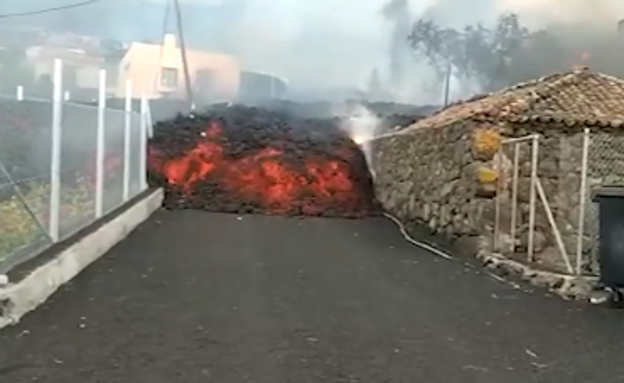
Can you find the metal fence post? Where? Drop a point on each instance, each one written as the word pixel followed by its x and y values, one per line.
pixel 150 122
pixel 533 196
pixel 514 195
pixel 497 212
pixel 99 173
pixel 127 147
pixel 582 202
pixel 143 146
pixel 55 168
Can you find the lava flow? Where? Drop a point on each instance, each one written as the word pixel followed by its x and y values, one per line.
pixel 218 165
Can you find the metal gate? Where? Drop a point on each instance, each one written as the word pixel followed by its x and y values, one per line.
pixel 519 188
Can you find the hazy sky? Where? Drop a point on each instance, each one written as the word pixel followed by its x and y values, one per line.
pixel 339 42
pixel 310 42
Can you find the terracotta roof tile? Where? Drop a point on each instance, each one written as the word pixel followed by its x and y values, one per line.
pixel 574 97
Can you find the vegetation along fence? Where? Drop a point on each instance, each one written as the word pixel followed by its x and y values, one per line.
pixel 64 165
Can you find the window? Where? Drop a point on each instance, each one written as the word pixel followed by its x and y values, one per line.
pixel 169 77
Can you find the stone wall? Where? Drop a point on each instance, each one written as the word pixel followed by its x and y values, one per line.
pixel 451 178
pixel 430 176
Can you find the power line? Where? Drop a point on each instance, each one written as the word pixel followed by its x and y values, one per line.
pixel 187 80
pixel 162 39
pixel 48 10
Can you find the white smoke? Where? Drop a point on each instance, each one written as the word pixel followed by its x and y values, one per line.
pixel 362 126
pixel 312 43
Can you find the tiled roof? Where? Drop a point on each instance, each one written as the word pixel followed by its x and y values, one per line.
pixel 574 97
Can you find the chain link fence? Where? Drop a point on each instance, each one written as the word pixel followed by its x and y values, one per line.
pixel 556 217
pixel 538 214
pixel 63 166
pixel 512 196
pixel 605 167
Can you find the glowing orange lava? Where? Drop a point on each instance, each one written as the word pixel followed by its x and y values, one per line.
pixel 265 177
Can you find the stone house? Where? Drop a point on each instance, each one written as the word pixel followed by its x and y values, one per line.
pixel 449 171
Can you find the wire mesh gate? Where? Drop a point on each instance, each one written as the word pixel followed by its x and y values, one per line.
pixel 519 192
pixel 585 161
pixel 603 165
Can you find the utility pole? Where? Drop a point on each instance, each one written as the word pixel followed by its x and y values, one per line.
pixel 447 84
pixel 187 78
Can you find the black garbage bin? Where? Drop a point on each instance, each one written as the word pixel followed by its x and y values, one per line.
pixel 611 233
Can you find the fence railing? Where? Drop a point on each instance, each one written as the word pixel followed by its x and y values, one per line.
pixel 603 165
pixel 550 194
pixel 65 165
pixel 520 193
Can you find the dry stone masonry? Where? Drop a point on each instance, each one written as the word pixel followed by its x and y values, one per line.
pixel 451 170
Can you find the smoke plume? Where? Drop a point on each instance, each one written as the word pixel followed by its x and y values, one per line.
pixel 335 44
pixel 398 13
pixel 562 34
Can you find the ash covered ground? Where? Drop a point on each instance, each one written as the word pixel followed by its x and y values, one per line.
pixel 244 160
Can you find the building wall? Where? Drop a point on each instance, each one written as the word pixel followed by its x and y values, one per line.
pixel 258 86
pixel 605 167
pixel 88 76
pixel 446 178
pixel 225 75
pixel 140 65
pixel 428 177
pixel 80 71
pixel 451 178
pixel 143 65
pixel 77 75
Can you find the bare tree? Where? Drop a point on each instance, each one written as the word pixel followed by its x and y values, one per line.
pixel 507 53
pixel 487 57
pixel 437 46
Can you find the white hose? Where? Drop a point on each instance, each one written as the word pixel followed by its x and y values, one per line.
pixel 411 240
pixel 441 253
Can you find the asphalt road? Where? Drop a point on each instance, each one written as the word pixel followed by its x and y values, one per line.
pixel 198 297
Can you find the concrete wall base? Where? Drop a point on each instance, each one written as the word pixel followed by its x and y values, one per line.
pixel 566 286
pixel 18 299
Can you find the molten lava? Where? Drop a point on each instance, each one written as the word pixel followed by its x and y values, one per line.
pixel 273 179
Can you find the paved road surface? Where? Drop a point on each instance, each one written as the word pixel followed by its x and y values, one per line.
pixel 198 297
